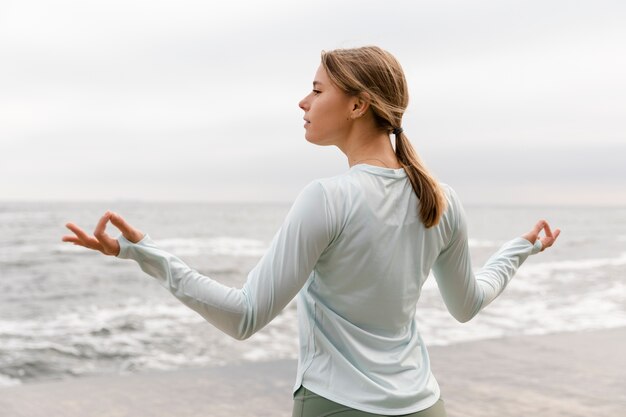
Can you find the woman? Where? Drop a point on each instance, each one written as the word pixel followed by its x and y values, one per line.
pixel 355 248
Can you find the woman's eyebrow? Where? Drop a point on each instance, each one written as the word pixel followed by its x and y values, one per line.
pixel 317 83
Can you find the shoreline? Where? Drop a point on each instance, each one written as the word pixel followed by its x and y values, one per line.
pixel 563 374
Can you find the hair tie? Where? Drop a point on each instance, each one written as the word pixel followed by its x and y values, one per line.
pixel 397 130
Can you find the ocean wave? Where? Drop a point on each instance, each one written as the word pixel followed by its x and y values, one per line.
pixel 573 264
pixel 134 336
pixel 32 252
pixel 92 318
pixel 544 297
pixel 7 381
pixel 532 315
pixel 230 246
pixel 547 268
pixel 92 339
pixel 224 245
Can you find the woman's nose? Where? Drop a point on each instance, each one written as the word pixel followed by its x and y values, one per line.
pixel 303 104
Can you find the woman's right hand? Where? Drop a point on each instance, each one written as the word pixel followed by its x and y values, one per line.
pixel 100 240
pixel 547 240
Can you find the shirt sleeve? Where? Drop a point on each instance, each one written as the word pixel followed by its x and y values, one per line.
pixel 270 285
pixel 464 292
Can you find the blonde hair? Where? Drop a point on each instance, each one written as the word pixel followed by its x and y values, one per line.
pixel 377 75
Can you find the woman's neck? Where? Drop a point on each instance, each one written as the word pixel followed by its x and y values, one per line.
pixel 375 150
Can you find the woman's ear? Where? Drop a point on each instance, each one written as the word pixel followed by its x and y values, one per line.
pixel 360 105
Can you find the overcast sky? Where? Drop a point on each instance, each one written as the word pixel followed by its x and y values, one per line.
pixel 512 102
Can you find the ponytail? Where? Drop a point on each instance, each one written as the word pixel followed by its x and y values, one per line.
pixel 432 202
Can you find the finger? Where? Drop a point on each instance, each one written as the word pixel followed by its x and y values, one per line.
pixel 80 233
pixel 71 239
pixel 100 229
pixel 547 230
pixel 129 232
pixel 86 240
pixel 539 226
pixel 74 240
pixel 92 243
pixel 121 224
pixel 110 246
pixel 551 239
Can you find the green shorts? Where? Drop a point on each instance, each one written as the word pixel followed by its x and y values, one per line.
pixel 309 404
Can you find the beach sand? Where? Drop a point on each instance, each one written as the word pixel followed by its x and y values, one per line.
pixel 566 374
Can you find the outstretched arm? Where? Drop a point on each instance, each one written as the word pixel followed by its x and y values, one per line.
pixel 466 293
pixel 269 287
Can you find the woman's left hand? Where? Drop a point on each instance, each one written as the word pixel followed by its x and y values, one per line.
pixel 100 240
pixel 546 241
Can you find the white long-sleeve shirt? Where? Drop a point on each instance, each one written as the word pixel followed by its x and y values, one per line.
pixel 354 251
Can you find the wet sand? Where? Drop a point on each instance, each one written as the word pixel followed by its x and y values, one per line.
pixel 567 374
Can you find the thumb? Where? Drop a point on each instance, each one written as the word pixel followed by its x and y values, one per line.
pixel 129 232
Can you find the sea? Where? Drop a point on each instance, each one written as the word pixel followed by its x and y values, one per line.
pixel 67 312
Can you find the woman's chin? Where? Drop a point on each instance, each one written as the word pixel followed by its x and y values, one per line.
pixel 310 138
pixel 315 140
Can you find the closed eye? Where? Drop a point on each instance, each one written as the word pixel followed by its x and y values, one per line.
pixel 316 92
